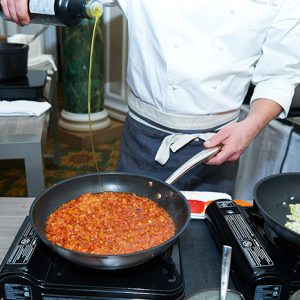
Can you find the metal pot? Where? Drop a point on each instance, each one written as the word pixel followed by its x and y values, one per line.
pixel 13 60
pixel 272 196
pixel 167 196
pixel 214 294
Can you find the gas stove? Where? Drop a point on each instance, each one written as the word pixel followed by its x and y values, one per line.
pixel 263 265
pixel 32 271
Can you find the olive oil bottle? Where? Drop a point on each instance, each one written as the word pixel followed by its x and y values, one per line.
pixel 62 12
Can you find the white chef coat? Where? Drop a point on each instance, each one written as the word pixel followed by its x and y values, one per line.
pixel 197 57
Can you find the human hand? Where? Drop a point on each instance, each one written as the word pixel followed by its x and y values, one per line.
pixel 16 11
pixel 233 139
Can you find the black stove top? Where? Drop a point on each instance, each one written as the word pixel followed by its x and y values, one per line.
pixel 24 88
pixel 263 265
pixel 31 270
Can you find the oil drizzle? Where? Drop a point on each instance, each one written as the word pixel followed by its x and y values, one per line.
pixel 97 13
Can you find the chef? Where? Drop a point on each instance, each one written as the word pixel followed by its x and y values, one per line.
pixel 190 63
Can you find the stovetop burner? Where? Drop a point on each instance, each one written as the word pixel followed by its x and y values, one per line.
pixel 285 254
pixel 31 270
pixel 263 265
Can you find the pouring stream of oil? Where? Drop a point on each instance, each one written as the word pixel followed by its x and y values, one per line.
pixel 97 12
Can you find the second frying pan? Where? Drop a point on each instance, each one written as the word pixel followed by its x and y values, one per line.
pixel 273 195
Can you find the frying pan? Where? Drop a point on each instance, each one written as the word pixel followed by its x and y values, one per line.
pixel 273 195
pixel 159 191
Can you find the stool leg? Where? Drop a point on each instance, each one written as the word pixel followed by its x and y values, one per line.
pixel 34 167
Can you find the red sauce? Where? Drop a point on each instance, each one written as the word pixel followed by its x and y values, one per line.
pixel 109 223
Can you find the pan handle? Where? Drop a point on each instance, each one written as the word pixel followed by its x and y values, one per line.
pixel 192 162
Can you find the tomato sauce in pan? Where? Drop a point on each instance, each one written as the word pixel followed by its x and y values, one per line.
pixel 109 223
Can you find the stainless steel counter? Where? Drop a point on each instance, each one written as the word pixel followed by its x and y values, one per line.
pixel 12 214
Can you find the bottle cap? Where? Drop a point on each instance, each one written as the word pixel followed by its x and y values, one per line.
pixel 93 9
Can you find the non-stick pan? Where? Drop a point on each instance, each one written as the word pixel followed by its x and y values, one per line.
pixel 273 195
pixel 161 192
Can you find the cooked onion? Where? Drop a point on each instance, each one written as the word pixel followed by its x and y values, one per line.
pixel 294 218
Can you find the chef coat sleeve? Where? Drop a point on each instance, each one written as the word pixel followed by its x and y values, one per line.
pixel 277 72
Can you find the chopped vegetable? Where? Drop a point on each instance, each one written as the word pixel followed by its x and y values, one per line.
pixel 197 206
pixel 294 218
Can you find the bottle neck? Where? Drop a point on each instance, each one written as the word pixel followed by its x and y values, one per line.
pixel 93 9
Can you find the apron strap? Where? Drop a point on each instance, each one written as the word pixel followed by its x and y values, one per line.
pixel 178 123
pixel 202 126
pixel 176 141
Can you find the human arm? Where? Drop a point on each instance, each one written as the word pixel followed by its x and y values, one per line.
pixel 235 137
pixel 17 10
pixel 276 74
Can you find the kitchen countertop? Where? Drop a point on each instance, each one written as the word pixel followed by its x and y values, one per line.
pixel 200 257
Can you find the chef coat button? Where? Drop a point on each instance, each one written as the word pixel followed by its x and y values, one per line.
pixel 232 11
pixel 176 45
pixel 214 87
pixel 175 87
pixel 221 48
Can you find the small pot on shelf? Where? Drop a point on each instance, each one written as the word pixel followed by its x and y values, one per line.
pixel 13 60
